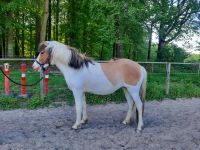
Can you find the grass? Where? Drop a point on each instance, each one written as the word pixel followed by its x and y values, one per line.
pixel 186 85
pixel 181 85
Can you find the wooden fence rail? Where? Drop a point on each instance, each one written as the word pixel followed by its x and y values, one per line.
pixel 167 70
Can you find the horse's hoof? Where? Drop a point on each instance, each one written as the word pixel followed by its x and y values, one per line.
pixel 125 122
pixel 138 131
pixel 84 121
pixel 75 127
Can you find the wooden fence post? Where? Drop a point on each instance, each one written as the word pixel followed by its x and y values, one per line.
pixel 41 86
pixel 168 68
pixel 152 67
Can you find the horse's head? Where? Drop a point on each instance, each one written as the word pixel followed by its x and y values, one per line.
pixel 53 52
pixel 43 60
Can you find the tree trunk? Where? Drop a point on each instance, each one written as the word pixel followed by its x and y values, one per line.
pixel 49 22
pixel 9 39
pixel 3 45
pixel 46 35
pixel 17 42
pixel 118 47
pixel 66 36
pixel 71 16
pixel 10 44
pixel 161 45
pixel 161 42
pixel 114 50
pixel 23 38
pixel 149 43
pixel 22 54
pixel 84 36
pixel 119 50
pixel 129 54
pixel 31 40
pixel 101 52
pixel 38 28
pixel 44 21
pixel 57 18
pixel 1 48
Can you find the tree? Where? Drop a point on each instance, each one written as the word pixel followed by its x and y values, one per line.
pixel 173 16
pixel 49 22
pixel 193 58
pixel 6 28
pixel 101 28
pixel 173 53
pixel 44 19
pixel 152 19
pixel 9 22
pixel 129 33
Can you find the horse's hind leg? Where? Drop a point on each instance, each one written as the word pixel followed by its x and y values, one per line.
pixel 135 95
pixel 130 106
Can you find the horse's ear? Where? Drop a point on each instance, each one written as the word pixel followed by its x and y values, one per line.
pixel 42 46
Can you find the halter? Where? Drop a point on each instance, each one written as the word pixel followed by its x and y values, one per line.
pixel 44 65
pixel 47 61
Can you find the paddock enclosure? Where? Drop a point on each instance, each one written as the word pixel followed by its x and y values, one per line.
pixel 167 125
pixel 164 80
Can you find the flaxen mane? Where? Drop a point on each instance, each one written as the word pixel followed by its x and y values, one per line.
pixel 78 60
pixel 41 46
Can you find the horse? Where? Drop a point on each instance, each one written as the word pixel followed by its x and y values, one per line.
pixel 82 75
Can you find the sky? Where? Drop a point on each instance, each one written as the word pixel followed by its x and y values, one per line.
pixel 190 42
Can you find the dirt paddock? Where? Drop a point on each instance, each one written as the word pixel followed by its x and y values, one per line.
pixel 168 125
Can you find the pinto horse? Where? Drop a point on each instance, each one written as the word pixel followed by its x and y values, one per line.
pixel 84 75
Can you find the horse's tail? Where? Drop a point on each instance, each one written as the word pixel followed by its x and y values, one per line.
pixel 143 88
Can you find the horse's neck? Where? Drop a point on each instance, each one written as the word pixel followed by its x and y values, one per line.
pixel 70 72
pixel 65 69
pixel 61 57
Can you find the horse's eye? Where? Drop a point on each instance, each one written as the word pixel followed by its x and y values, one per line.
pixel 42 52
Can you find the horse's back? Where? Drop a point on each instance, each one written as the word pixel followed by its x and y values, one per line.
pixel 122 70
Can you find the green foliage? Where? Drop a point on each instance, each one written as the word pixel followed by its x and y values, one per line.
pixel 93 26
pixel 156 87
pixel 191 85
pixel 88 25
pixel 8 103
pixel 170 19
pixel 172 53
pixel 193 58
pixel 34 102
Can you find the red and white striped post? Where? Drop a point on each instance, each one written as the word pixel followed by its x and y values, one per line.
pixel 7 81
pixel 46 82
pixel 23 79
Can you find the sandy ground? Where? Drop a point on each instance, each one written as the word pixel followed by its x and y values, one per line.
pixel 168 125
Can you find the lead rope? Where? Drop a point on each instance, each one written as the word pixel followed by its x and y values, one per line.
pixel 33 84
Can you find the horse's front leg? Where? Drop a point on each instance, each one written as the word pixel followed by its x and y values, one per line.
pixel 85 116
pixel 78 96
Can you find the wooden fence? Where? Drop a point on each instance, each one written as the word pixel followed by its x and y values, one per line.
pixel 166 69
